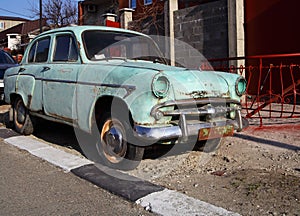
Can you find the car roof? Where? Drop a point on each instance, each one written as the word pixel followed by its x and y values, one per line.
pixel 79 29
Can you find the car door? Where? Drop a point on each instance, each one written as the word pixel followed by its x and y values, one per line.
pixel 30 73
pixel 60 78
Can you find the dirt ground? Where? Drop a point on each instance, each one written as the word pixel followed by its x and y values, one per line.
pixel 256 172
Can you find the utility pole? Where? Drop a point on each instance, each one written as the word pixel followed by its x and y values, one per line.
pixel 173 6
pixel 41 16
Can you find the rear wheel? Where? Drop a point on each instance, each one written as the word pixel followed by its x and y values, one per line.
pixel 113 147
pixel 21 118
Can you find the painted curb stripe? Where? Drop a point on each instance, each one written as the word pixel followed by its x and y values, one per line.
pixel 124 185
pixel 170 203
pixel 54 156
pixel 152 197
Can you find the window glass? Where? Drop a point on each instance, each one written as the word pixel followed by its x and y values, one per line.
pixel 32 53
pixel 2 25
pixel 65 49
pixel 148 2
pixel 105 45
pixel 42 50
pixel 133 4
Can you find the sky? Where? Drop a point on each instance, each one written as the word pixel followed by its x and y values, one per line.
pixel 19 8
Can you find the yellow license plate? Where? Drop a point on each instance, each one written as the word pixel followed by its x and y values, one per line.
pixel 215 132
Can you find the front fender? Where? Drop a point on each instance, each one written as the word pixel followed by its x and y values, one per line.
pixel 16 85
pixel 24 87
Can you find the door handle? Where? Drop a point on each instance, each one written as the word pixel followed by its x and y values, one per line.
pixel 21 70
pixel 45 69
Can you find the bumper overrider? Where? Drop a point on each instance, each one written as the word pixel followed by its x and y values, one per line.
pixel 185 128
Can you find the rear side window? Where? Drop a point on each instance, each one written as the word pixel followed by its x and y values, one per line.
pixel 65 49
pixel 39 51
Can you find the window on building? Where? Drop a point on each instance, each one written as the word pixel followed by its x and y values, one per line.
pixel 132 3
pixel 2 25
pixel 65 49
pixel 147 2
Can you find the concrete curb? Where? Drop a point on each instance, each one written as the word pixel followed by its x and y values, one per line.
pixel 152 197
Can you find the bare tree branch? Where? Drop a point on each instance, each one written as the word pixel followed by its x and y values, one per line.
pixel 148 17
pixel 58 13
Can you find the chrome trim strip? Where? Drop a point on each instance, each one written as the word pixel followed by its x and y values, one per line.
pixel 199 111
pixel 185 129
pixel 195 102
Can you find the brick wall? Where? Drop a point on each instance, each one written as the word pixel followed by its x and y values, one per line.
pixel 94 17
pixel 204 28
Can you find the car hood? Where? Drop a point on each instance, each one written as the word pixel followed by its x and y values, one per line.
pixel 147 65
pixel 197 84
pixel 185 83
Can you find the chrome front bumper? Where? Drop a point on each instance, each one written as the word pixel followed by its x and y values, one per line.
pixel 186 129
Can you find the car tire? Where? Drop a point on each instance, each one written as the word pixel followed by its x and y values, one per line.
pixel 21 119
pixel 113 147
pixel 208 146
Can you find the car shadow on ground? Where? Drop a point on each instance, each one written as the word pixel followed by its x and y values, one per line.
pixel 65 136
pixel 268 142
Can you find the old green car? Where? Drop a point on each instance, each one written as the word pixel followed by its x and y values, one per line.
pixel 114 85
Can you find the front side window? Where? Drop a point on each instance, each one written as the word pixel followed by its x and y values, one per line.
pixel 65 49
pixel 147 2
pixel 105 45
pixel 39 51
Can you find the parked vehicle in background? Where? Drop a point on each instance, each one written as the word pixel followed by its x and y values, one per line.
pixel 6 61
pixel 115 85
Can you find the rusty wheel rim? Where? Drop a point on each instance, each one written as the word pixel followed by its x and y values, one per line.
pixel 113 140
pixel 20 114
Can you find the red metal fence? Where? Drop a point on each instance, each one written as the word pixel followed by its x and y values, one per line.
pixel 273 88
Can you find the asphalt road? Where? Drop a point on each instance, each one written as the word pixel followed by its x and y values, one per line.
pixel 31 186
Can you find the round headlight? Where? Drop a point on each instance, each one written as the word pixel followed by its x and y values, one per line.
pixel 240 86
pixel 160 86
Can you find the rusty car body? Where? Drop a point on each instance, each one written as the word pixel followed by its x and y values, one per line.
pixel 115 85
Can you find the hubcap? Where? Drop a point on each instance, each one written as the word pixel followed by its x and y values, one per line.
pixel 21 113
pixel 112 139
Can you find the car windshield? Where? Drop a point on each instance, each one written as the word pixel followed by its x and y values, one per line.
pixel 106 45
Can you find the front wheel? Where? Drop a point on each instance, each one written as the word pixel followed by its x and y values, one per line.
pixel 21 118
pixel 113 147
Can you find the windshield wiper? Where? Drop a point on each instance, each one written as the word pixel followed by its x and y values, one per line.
pixel 159 60
pixel 112 58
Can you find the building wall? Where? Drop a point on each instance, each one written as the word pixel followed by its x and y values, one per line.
pixel 272 26
pixel 91 12
pixel 205 29
pixel 8 24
